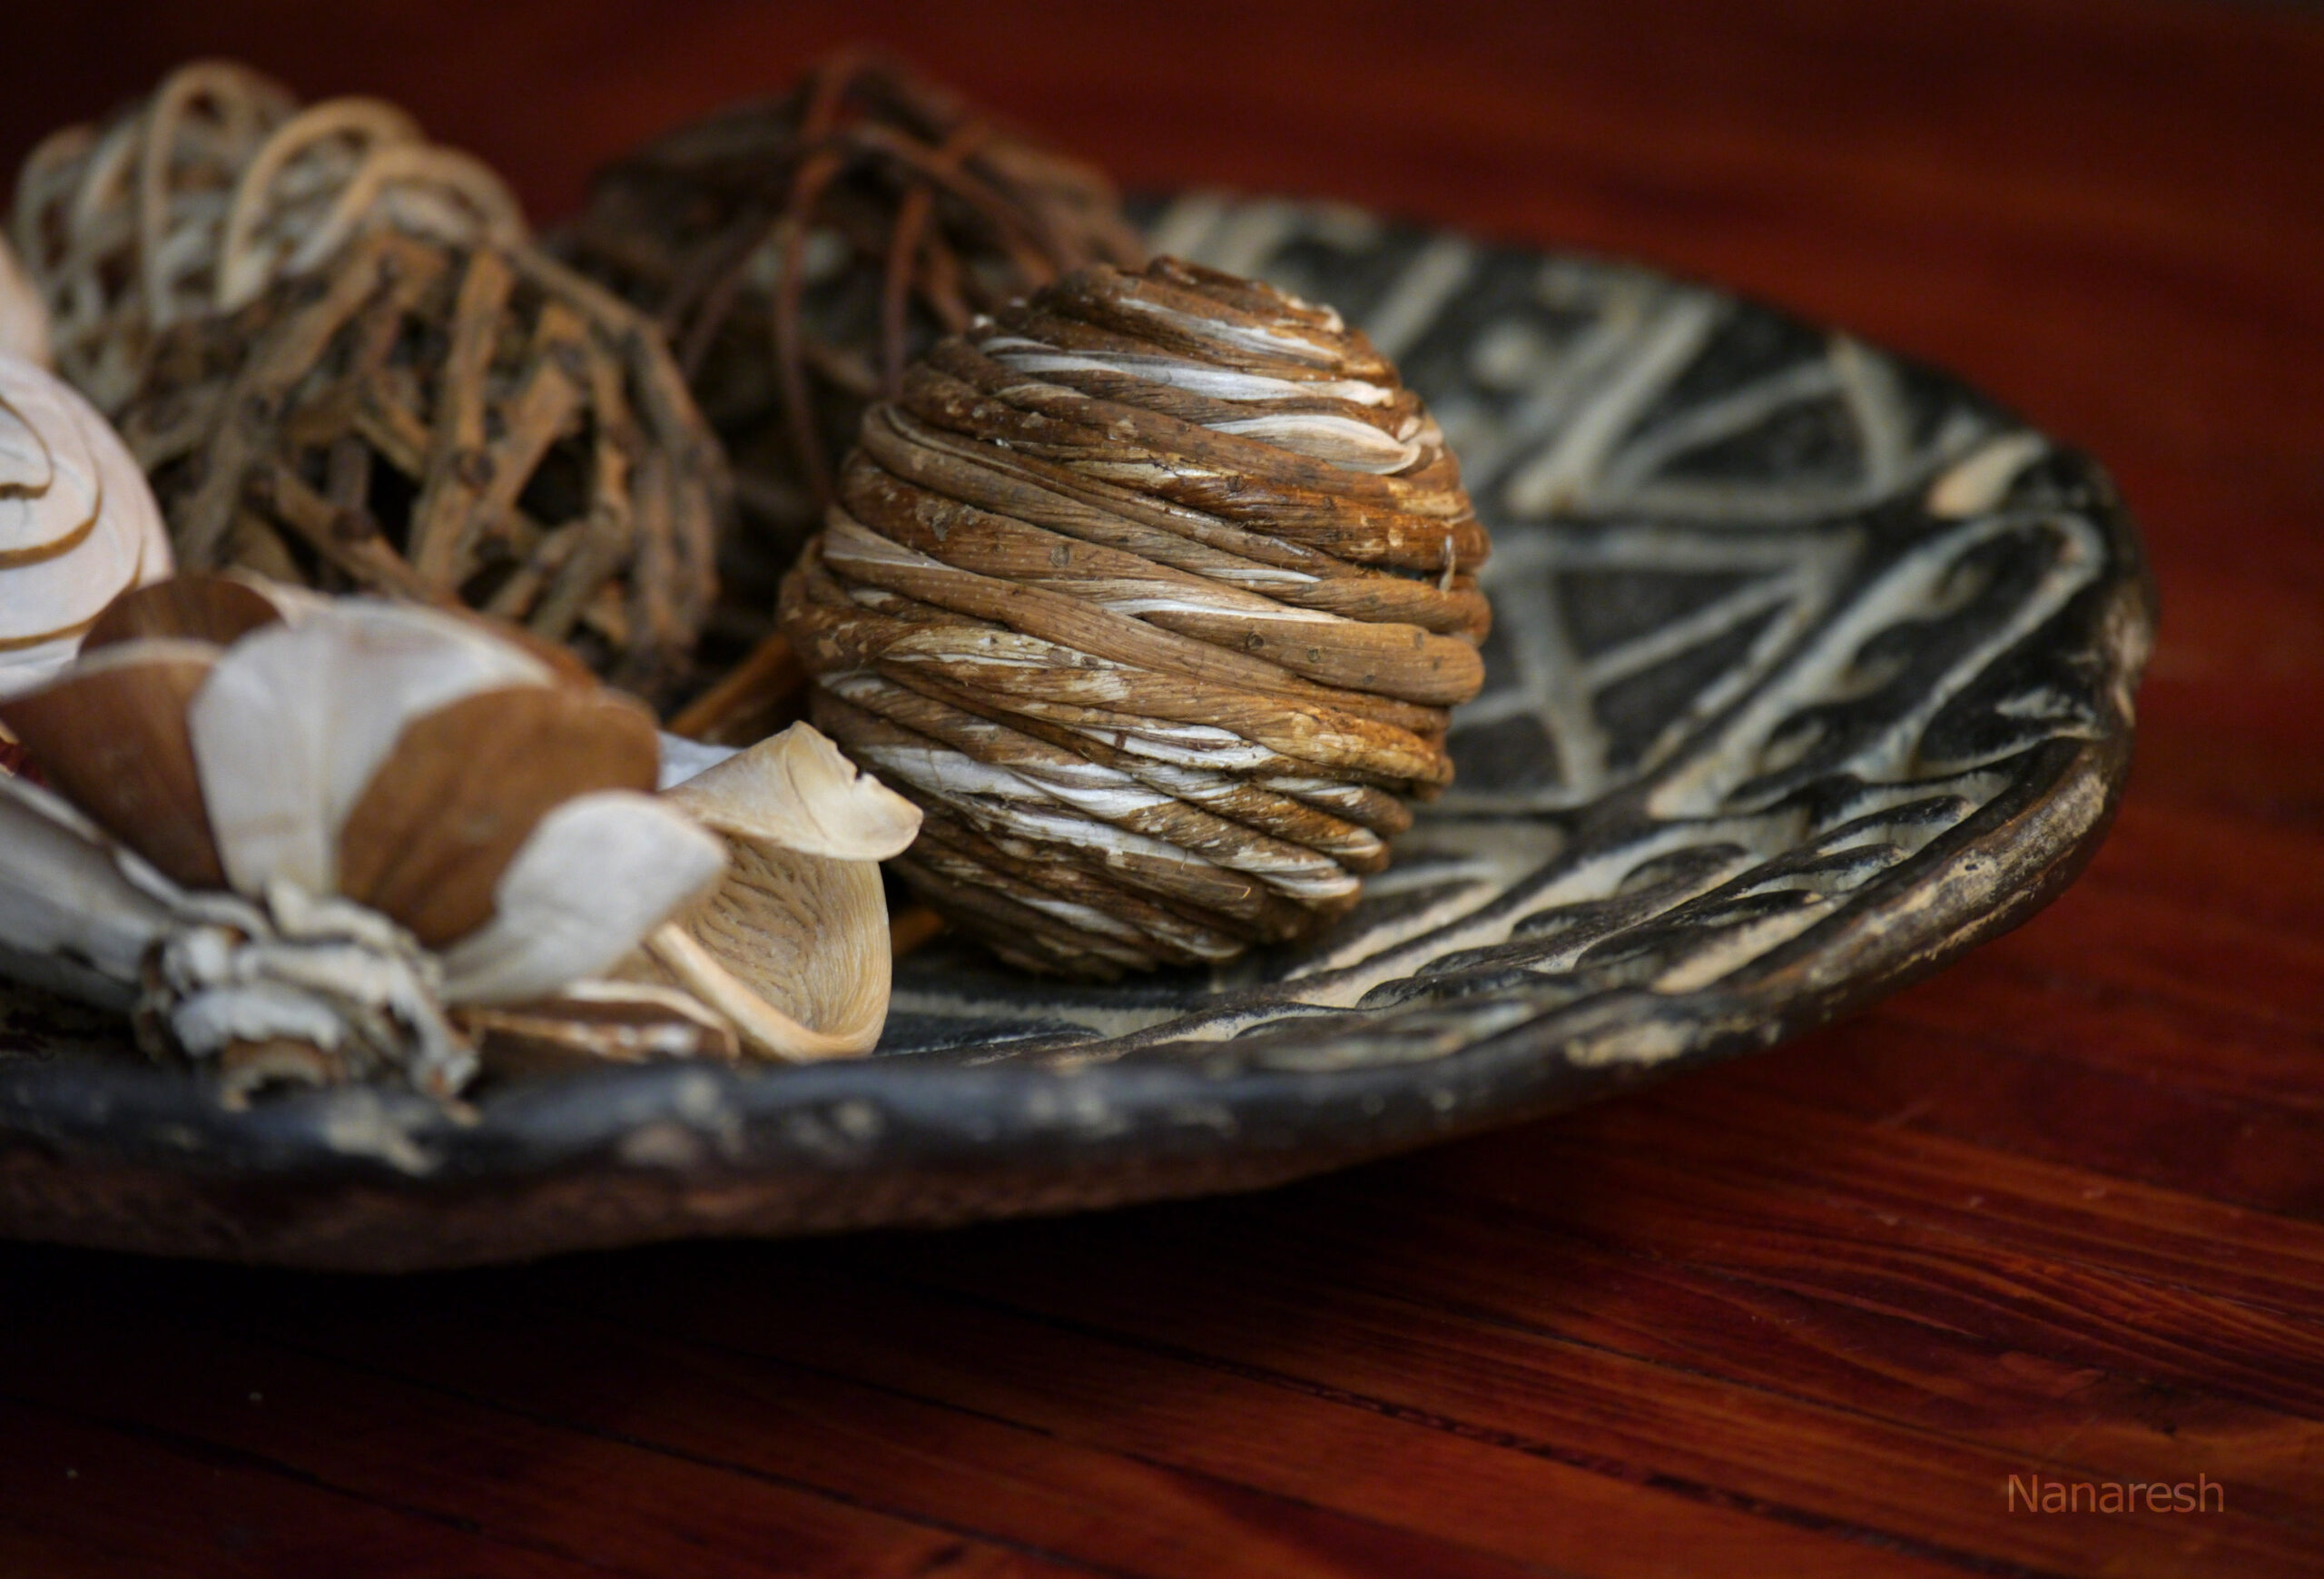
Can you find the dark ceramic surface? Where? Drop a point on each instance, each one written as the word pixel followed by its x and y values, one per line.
pixel 1811 669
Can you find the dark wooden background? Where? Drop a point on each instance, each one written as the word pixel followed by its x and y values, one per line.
pixel 2059 1211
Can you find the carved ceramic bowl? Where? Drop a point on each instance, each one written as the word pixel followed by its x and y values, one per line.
pixel 1811 668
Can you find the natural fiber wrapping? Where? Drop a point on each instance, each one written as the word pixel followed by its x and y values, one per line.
pixel 1153 592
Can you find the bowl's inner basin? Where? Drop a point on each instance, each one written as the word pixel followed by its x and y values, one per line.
pixel 1761 596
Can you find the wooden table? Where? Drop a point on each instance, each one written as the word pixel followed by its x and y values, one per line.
pixel 2059 1213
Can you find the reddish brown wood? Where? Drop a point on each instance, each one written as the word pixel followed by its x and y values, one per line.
pixel 2059 1211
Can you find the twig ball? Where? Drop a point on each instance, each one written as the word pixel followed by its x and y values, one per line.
pixel 799 251
pixel 447 423
pixel 196 198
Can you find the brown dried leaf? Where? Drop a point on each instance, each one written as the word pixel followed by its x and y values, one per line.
pixel 110 733
pixel 466 784
pixel 195 606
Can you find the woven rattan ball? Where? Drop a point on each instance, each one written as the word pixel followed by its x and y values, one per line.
pixel 801 251
pixel 447 423
pixel 1154 592
pixel 195 200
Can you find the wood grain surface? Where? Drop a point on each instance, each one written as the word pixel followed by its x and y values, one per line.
pixel 2059 1212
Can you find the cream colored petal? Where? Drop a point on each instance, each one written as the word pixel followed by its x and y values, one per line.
pixel 296 719
pixel 23 319
pixel 794 944
pixel 62 595
pixel 73 590
pixel 69 921
pixel 600 873
pixel 796 791
pixel 464 789
pixel 78 524
pixel 37 518
pixel 22 668
pixel 25 465
pixel 124 496
pixel 683 759
pixel 766 1030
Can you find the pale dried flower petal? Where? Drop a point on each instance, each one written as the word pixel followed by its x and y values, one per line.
pixel 78 524
pixel 69 921
pixel 600 872
pixel 295 720
pixel 24 316
pixel 797 792
pixel 794 944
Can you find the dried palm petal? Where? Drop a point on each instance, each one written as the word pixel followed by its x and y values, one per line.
pixel 797 793
pixel 598 873
pixel 24 316
pixel 794 946
pixel 766 1030
pixel 321 973
pixel 70 921
pixel 283 757
pixel 111 734
pixel 465 787
pixel 214 977
pixel 77 523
